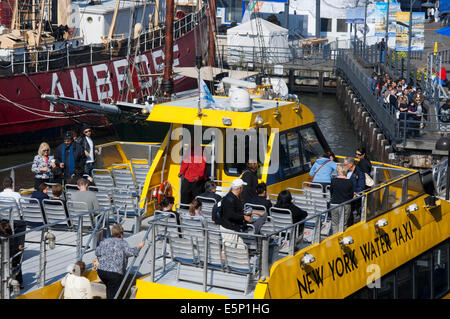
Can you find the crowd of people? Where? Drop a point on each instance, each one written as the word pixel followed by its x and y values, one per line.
pixel 344 181
pixel 71 163
pixel 74 157
pixel 405 99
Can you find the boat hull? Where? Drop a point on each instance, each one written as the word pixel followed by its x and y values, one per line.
pixel 24 114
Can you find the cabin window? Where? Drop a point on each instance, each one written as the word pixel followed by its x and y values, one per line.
pixel 422 277
pixel 440 270
pixel 404 282
pixel 239 151
pixel 312 148
pixel 89 19
pixel 386 290
pixel 297 149
pixel 289 158
pixel 290 151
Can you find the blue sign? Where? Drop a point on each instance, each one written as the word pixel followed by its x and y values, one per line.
pixel 355 15
pixel 279 1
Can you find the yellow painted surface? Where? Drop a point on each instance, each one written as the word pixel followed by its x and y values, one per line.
pixel 287 118
pixel 151 290
pixel 54 290
pixel 337 272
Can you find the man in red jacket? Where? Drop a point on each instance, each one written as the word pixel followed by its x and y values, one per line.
pixel 193 169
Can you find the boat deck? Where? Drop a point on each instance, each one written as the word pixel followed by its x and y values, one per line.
pixel 64 254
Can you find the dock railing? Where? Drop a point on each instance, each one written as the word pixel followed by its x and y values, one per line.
pixel 397 127
pixel 251 56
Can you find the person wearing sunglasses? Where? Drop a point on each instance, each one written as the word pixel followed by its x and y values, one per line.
pixel 42 166
pixel 90 151
pixel 364 163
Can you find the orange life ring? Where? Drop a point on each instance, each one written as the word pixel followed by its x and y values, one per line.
pixel 164 190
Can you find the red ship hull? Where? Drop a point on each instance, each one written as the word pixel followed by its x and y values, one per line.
pixel 24 112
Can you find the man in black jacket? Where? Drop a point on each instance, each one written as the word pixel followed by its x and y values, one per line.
pixel 261 197
pixel 250 177
pixel 69 155
pixel 210 191
pixel 89 149
pixel 393 99
pixel 359 184
pixel 233 217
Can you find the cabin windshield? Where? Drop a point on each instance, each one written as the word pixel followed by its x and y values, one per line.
pixel 299 148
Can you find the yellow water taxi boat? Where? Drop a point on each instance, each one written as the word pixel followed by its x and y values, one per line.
pixel 398 249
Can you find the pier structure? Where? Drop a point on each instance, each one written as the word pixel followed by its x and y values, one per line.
pixel 304 69
pixel 328 69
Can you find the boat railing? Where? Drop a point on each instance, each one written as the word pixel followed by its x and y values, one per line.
pixel 109 153
pixel 439 174
pixel 51 245
pixel 264 244
pixel 69 56
pixel 142 255
pixel 21 174
pixel 122 152
pixel 391 195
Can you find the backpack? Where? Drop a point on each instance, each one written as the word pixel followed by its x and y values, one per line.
pixel 216 214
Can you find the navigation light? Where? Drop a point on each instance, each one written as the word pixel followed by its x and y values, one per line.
pixel 380 223
pixel 347 240
pixel 307 259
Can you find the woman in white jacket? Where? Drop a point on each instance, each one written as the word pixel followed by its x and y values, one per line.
pixel 76 286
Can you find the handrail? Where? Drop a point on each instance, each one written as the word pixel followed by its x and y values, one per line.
pixel 99 222
pixel 135 258
pixel 45 227
pixel 54 223
pixel 15 166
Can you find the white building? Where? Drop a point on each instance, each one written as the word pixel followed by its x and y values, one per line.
pixel 92 21
pixel 302 18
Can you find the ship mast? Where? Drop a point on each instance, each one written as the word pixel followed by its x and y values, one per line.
pixel 41 13
pixel 113 23
pixel 212 29
pixel 167 82
pixel 15 17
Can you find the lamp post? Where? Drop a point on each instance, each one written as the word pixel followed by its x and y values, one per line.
pixel 408 65
pixel 443 144
pixel 387 33
pixel 365 29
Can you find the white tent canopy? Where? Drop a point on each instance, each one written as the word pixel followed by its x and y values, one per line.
pixel 257 39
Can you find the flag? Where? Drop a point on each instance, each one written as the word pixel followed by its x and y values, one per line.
pixel 253 6
pixel 205 94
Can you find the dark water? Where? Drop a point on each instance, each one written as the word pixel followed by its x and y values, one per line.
pixel 331 119
pixel 333 123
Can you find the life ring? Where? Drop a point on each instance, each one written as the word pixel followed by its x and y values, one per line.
pixel 164 190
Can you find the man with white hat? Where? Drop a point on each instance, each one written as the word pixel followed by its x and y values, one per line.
pixel 233 217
